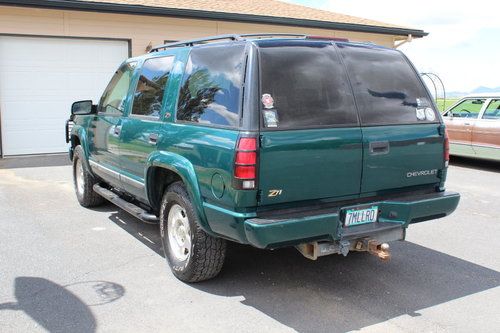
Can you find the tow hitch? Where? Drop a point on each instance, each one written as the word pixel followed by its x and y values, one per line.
pixel 313 250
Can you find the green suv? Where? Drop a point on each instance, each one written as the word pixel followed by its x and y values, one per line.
pixel 322 144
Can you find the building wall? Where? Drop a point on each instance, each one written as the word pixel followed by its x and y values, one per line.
pixel 143 30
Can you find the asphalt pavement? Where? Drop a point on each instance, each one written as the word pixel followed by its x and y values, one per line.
pixel 64 268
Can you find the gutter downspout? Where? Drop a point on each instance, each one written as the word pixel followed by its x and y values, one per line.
pixel 408 39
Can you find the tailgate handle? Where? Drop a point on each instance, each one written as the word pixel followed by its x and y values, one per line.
pixel 379 147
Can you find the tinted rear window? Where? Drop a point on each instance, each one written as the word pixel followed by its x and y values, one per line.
pixel 386 88
pixel 305 86
pixel 211 88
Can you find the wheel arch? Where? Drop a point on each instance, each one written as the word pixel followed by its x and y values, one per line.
pixel 164 168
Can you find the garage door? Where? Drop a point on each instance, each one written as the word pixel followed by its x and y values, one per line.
pixel 40 78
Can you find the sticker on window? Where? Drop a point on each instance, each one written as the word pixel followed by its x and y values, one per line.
pixel 270 118
pixel 268 101
pixel 420 113
pixel 429 114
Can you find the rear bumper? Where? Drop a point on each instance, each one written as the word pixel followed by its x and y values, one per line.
pixel 394 214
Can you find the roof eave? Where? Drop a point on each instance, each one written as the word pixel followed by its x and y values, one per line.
pixel 191 13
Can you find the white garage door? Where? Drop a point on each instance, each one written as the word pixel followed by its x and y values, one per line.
pixel 40 78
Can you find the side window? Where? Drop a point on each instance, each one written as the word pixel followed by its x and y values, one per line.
pixel 469 108
pixel 210 92
pixel 493 110
pixel 113 99
pixel 148 95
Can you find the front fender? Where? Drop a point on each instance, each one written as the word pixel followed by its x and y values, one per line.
pixel 185 169
pixel 79 131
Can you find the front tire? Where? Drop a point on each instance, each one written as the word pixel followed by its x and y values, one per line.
pixel 84 181
pixel 191 253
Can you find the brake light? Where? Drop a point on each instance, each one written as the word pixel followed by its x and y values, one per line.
pixel 245 164
pixel 446 148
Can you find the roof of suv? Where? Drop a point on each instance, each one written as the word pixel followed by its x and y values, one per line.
pixel 258 39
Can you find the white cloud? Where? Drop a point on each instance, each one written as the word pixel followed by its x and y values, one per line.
pixel 462 46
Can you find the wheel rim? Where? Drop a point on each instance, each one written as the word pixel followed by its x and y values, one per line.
pixel 179 233
pixel 80 180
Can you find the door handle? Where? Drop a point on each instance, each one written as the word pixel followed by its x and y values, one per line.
pixel 467 124
pixel 153 138
pixel 117 130
pixel 379 147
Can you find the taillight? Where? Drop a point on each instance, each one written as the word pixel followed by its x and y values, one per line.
pixel 245 164
pixel 446 148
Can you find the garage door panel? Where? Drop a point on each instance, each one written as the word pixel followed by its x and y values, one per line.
pixel 40 78
pixel 23 141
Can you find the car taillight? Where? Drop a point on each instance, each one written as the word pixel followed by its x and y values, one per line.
pixel 446 148
pixel 245 164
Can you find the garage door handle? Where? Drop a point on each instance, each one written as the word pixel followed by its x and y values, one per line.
pixel 379 147
pixel 117 130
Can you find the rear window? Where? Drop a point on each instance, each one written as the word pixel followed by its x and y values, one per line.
pixel 303 85
pixel 211 88
pixel 387 89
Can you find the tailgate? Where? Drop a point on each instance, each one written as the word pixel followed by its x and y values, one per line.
pixel 309 164
pixel 403 138
pixel 310 135
pixel 401 156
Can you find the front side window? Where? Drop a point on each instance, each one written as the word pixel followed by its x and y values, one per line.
pixel 113 99
pixel 387 89
pixel 304 85
pixel 469 108
pixel 148 97
pixel 493 110
pixel 211 88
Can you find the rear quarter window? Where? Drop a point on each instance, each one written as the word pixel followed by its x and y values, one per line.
pixel 210 92
pixel 386 87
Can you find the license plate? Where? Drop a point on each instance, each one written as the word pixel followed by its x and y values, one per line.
pixel 360 216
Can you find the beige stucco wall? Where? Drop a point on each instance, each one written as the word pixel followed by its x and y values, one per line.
pixel 142 30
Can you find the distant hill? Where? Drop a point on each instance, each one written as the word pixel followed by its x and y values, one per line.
pixel 478 90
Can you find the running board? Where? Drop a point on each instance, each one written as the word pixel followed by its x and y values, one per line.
pixel 129 207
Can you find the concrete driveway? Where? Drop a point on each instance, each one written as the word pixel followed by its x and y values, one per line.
pixel 64 268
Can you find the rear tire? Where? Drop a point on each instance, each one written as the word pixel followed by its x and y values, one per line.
pixel 192 254
pixel 84 181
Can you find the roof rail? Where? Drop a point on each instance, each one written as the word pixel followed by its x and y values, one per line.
pixel 273 34
pixel 232 37
pixel 191 42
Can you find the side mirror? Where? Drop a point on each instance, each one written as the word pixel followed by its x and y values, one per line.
pixel 83 107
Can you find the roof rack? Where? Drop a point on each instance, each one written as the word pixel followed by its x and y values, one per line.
pixel 232 37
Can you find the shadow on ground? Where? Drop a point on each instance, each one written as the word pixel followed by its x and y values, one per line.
pixel 333 293
pixel 56 308
pixel 472 163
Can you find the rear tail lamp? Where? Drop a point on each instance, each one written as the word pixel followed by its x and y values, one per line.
pixel 446 148
pixel 245 164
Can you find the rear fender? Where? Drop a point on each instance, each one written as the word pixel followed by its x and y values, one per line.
pixel 185 169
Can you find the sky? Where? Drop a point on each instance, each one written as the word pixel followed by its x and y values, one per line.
pixel 463 45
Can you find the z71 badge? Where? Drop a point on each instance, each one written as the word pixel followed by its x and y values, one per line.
pixel 274 193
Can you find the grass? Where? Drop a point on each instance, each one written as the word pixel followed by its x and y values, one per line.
pixel 449 102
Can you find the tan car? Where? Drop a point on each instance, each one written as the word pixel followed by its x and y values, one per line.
pixel 474 126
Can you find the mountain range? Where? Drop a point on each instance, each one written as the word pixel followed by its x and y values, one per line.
pixel 478 90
